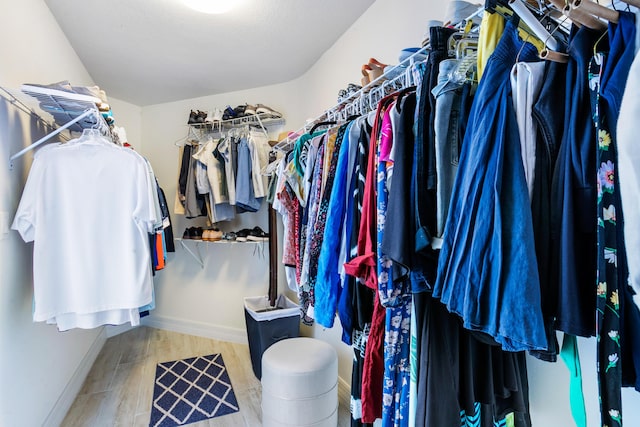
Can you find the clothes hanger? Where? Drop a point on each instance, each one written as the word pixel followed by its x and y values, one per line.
pixel 635 3
pixel 592 8
pixel 552 55
pixel 595 45
pixel 325 123
pixel 401 94
pixel 534 25
pixel 578 16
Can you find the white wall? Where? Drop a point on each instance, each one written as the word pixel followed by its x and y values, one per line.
pixel 128 116
pixel 37 363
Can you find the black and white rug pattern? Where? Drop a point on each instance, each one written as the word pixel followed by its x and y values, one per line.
pixel 191 390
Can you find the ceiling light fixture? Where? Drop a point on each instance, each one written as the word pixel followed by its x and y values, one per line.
pixel 211 6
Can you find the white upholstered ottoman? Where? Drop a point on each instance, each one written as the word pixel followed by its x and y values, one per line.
pixel 300 384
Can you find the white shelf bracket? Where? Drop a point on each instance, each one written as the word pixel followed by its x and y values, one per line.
pixel 198 256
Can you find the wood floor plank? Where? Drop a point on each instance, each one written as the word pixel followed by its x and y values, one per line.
pixel 147 383
pixel 136 344
pixel 101 373
pixel 237 360
pixel 84 411
pixel 249 402
pixel 142 419
pixel 121 406
pixel 230 420
pixel 119 388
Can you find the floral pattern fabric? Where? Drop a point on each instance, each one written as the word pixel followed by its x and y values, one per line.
pixel 397 300
pixel 608 303
pixel 305 292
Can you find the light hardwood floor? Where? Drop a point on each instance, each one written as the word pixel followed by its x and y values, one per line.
pixel 119 388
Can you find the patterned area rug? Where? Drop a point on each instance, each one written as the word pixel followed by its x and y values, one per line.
pixel 191 390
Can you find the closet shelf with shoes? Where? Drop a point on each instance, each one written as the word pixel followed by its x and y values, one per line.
pixel 263 120
pixel 200 235
pixel 66 102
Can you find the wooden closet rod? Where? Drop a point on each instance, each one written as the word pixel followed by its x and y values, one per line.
pixel 597 10
pixel 635 3
pixel 579 16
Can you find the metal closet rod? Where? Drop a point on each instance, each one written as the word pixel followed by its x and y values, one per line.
pixel 350 99
pixel 353 97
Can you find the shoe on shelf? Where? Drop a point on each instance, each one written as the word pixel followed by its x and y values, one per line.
pixel 229 237
pixel 188 232
pixel 197 233
pixel 376 69
pixel 94 91
pixel 263 109
pixel 257 234
pixel 365 80
pixel 249 110
pixel 201 116
pixel 353 88
pixel 211 234
pixel 216 115
pixel 342 94
pixel 229 113
pixel 240 110
pixel 193 117
pixel 215 235
pixel 192 233
pixel 242 235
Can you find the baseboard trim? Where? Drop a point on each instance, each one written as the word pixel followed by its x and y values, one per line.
pixel 71 390
pixel 199 329
pixel 344 392
pixel 113 330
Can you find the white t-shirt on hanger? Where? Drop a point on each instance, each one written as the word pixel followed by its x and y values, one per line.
pixel 88 209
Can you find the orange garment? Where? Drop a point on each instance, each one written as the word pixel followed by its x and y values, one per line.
pixel 159 252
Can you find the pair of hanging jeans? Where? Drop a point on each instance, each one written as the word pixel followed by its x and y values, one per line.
pixel 487 271
pixel 449 94
pixel 423 179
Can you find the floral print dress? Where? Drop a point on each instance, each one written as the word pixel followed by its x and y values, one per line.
pixel 608 302
pixel 396 298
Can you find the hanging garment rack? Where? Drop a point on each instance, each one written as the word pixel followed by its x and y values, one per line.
pixel 62 105
pixel 50 135
pixel 367 97
pixel 71 111
pixel 198 131
pixel 12 99
pixel 364 99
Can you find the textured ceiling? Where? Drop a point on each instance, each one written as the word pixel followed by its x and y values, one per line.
pixel 154 51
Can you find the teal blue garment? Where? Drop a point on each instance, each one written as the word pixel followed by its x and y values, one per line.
pixel 300 152
pixel 476 418
pixel 571 358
